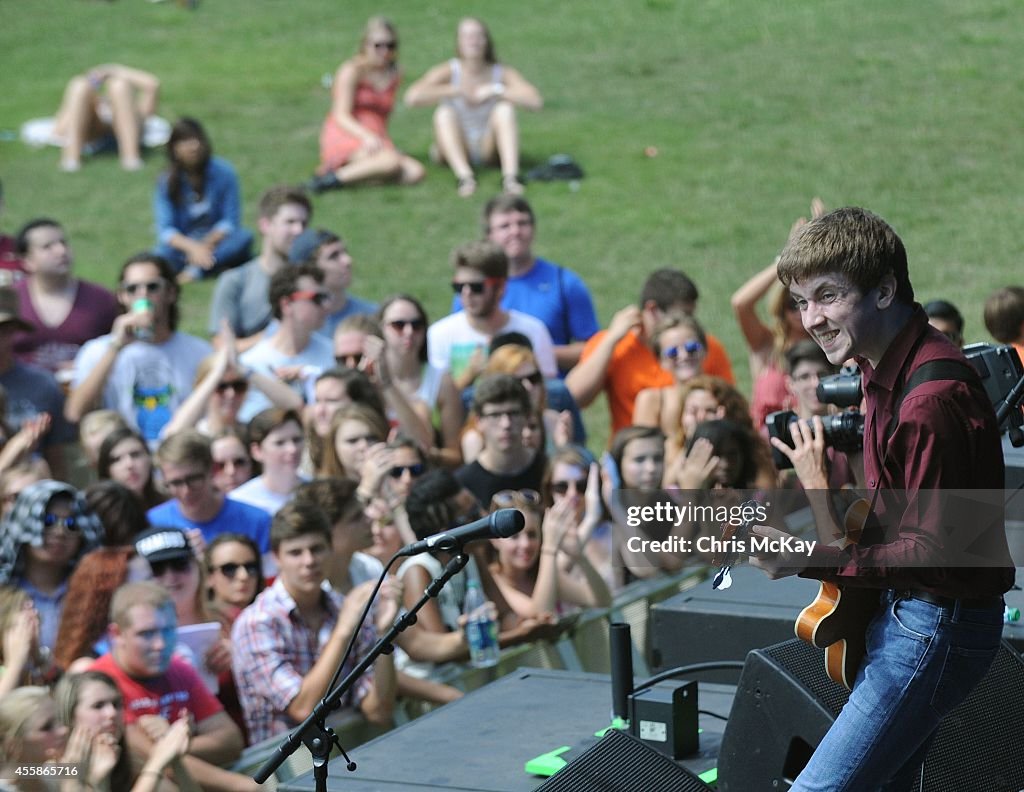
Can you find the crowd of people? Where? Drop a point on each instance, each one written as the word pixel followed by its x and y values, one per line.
pixel 192 527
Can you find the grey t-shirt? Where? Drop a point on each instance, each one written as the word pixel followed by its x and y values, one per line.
pixel 240 296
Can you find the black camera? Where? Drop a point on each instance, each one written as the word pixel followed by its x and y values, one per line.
pixel 842 389
pixel 843 431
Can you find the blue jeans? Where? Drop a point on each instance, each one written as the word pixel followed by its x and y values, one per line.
pixel 922 661
pixel 232 250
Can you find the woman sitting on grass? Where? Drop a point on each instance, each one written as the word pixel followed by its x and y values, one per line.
pixel 354 142
pixel 477 97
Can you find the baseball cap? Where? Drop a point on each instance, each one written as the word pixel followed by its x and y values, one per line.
pixel 163 544
pixel 305 244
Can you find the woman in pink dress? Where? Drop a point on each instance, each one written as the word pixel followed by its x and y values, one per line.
pixel 354 142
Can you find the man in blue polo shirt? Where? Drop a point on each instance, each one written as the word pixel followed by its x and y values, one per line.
pixel 555 295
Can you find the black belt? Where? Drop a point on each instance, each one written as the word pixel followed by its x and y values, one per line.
pixel 950 602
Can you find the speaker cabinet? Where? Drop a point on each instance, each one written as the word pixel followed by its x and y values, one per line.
pixel 785 703
pixel 621 763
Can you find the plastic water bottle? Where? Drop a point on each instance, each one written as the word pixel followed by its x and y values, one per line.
pixel 481 629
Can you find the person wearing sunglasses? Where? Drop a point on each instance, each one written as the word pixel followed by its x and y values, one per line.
pixel 145 367
pixel 554 294
pixel 477 98
pixel 458 342
pixel 175 568
pixel 573 475
pixel 295 353
pixel 359 344
pixel 428 388
pixel 328 251
pixel 234 577
pixel 531 567
pixel 354 142
pixel 221 386
pixel 46 532
pixel 186 465
pixel 621 360
pixel 681 346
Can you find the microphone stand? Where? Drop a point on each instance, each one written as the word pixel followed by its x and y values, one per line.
pixel 314 731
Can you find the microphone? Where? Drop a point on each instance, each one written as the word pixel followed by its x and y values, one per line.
pixel 504 522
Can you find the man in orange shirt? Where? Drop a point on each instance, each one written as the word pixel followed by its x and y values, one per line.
pixel 621 360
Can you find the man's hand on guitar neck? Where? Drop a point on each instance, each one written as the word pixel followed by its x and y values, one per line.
pixel 779 564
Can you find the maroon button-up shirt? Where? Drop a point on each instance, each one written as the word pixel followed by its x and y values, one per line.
pixel 931 533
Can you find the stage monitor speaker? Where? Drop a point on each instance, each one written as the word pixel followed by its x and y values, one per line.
pixel 785 703
pixel 621 763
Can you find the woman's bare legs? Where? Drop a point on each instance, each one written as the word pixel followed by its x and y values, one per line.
pixel 452 147
pixel 125 121
pixel 413 171
pixel 503 138
pixel 76 120
pixel 384 165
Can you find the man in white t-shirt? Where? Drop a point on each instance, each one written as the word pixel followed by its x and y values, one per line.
pixel 459 342
pixel 144 368
pixel 295 353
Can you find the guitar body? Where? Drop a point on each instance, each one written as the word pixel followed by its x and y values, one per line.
pixel 838 618
pixel 837 621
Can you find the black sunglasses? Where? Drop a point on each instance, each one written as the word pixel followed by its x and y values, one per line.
pixel 414 470
pixel 231 569
pixel 152 287
pixel 399 325
pixel 388 45
pixel 161 568
pixel 238 386
pixel 562 487
pixel 475 287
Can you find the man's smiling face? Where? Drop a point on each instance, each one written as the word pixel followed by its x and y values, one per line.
pixel 838 316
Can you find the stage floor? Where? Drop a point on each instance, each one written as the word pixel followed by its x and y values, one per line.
pixel 482 741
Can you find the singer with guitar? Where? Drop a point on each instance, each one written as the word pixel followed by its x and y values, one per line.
pixel 929 427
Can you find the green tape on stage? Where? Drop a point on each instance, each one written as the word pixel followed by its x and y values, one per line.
pixel 547 764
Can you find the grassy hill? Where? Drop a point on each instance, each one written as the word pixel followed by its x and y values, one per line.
pixel 910 109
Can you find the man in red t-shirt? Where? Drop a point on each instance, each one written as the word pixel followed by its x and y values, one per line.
pixel 157 686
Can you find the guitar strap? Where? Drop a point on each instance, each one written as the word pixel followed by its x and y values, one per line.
pixel 932 371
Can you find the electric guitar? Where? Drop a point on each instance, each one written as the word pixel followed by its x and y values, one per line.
pixel 838 618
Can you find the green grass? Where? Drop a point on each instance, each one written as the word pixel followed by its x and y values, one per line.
pixel 910 109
